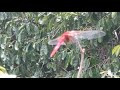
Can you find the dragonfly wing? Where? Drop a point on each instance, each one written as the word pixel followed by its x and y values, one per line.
pixel 90 34
pixel 55 42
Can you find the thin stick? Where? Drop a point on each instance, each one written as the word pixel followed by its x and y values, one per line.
pixel 81 63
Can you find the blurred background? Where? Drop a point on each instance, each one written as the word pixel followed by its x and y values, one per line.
pixel 25 52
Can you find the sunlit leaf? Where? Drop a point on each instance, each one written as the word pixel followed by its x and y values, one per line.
pixel 34 44
pixel 7 24
pixel 3 69
pixel 17 60
pixel 3 46
pixel 116 50
pixel 16 46
pixel 21 27
pixel 63 55
pixel 20 36
pixel 27 47
pixel 110 73
pixel 38 47
pixel 3 56
pixel 114 14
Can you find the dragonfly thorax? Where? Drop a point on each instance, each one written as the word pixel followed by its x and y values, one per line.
pixel 69 36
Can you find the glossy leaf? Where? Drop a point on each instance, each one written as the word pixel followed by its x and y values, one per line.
pixel 16 45
pixel 114 14
pixel 116 50
pixel 27 47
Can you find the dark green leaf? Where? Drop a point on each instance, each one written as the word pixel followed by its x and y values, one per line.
pixel 44 49
pixel 90 73
pixel 27 47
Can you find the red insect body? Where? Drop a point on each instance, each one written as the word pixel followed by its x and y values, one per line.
pixel 60 41
pixel 72 36
pixel 65 37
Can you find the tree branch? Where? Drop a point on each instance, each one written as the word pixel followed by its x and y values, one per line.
pixel 81 62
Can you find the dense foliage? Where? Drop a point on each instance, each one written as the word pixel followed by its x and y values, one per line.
pixel 24 48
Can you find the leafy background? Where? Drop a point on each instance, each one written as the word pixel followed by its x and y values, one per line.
pixel 24 48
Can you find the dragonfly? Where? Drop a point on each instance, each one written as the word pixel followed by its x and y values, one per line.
pixel 74 36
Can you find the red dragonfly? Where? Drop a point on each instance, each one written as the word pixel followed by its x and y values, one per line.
pixel 73 36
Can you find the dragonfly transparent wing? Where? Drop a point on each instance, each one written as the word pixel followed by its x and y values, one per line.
pixel 90 34
pixel 54 42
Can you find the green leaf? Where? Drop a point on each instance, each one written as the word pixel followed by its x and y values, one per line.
pixel 27 47
pixel 24 57
pixel 34 44
pixel 44 49
pixel 63 54
pixel 16 70
pixel 90 73
pixel 49 65
pixel 95 43
pixel 21 27
pixel 28 28
pixel 100 40
pixel 20 36
pixel 116 50
pixel 3 56
pixel 16 46
pixel 109 23
pixel 36 29
pixel 115 18
pixel 17 60
pixel 1 16
pixel 3 69
pixel 4 39
pixel 66 63
pixel 86 63
pixel 54 66
pixel 103 22
pixel 7 24
pixel 3 46
pixel 72 58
